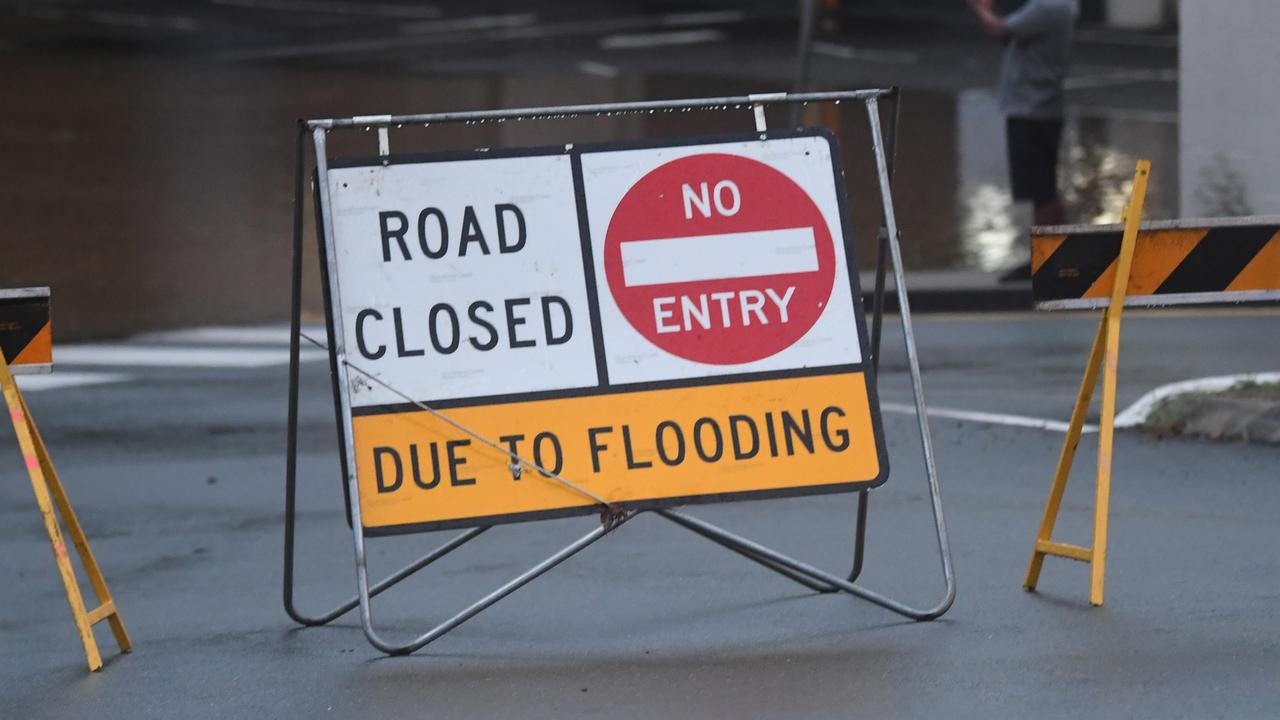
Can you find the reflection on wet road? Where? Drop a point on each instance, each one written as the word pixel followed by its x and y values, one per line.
pixel 151 188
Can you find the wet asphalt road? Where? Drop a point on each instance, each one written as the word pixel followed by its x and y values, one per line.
pixel 177 475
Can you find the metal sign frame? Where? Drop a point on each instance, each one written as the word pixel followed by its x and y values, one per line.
pixel 796 570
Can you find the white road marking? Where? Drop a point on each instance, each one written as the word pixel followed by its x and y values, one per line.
pixel 716 257
pixel 412 35
pixel 1136 414
pixel 988 418
pixel 465 24
pixel 58 381
pixel 598 69
pixel 116 19
pixel 339 7
pixel 710 17
pixel 844 52
pixel 651 40
pixel 1112 77
pixel 231 335
pixel 127 355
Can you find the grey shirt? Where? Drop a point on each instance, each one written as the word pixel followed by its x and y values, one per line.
pixel 1036 58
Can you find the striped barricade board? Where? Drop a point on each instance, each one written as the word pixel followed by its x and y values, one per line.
pixel 26 335
pixel 1178 262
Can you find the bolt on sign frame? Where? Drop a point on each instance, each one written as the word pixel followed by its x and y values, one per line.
pixel 25 336
pixel 611 516
pixel 1136 264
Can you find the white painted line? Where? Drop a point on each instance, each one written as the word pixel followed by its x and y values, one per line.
pixel 125 355
pixel 598 69
pixel 38 383
pixel 716 257
pixel 476 22
pixel 27 292
pixel 1136 414
pixel 231 335
pixel 651 40
pixel 988 418
pixel 1110 77
pixel 844 52
pixel 143 22
pixel 412 34
pixel 710 17
pixel 339 7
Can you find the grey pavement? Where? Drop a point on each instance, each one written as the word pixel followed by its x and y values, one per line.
pixel 177 476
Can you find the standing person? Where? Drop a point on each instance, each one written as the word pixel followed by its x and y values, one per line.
pixel 1037 40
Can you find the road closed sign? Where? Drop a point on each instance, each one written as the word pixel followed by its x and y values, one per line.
pixel 657 324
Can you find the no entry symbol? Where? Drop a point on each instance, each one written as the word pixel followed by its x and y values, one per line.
pixel 719 259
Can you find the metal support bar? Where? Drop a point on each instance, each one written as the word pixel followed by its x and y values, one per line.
pixel 877 323
pixel 705 528
pixel 804 52
pixel 754 557
pixel 475 608
pixel 559 112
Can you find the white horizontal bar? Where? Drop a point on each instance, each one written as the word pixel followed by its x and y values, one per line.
pixel 988 418
pixel 719 257
pixel 1226 297
pixel 166 356
pixel 28 292
pixel 230 335
pixel 662 39
pixel 37 383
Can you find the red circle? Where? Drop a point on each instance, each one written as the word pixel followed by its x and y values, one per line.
pixel 656 208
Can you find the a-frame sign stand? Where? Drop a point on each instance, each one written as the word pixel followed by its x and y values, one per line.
pixel 1104 356
pixel 50 494
pixel 889 257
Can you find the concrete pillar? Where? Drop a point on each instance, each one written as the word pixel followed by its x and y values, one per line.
pixel 1228 105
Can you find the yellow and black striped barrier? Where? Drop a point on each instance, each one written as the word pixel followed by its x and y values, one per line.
pixel 26 335
pixel 1179 262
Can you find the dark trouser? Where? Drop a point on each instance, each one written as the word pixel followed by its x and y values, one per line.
pixel 1033 157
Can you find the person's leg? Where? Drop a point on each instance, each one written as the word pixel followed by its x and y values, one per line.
pixel 1021 143
pixel 1046 202
pixel 1049 212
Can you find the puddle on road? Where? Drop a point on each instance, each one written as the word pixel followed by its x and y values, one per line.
pixel 154 193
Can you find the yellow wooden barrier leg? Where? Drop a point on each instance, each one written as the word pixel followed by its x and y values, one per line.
pixel 1104 355
pixel 48 491
pixel 1107 421
pixel 1084 398
pixel 107 606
